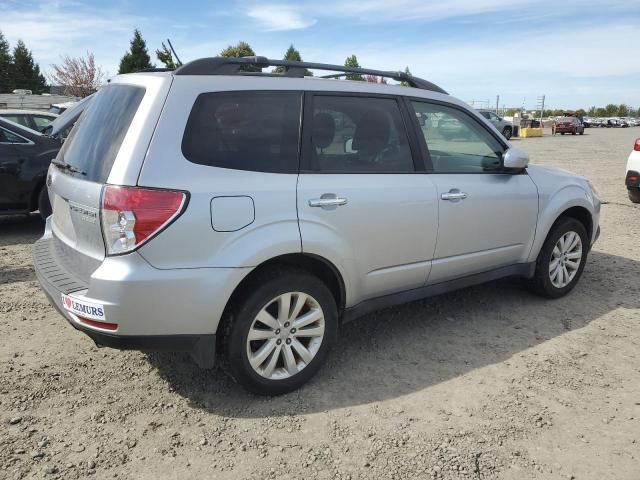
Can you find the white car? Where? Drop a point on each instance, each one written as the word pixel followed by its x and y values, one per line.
pixel 632 179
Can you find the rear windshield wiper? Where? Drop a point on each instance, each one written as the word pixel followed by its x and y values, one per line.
pixel 66 166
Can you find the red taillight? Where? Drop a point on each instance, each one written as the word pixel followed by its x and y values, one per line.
pixel 131 215
pixel 636 146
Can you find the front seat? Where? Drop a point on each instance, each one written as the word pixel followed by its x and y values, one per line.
pixel 371 137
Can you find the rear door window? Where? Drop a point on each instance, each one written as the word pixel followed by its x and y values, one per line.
pixel 245 130
pixel 92 146
pixel 358 135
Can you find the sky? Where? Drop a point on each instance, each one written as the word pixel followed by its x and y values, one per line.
pixel 577 53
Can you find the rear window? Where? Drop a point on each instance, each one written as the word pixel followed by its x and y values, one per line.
pixel 567 120
pixel 93 144
pixel 257 131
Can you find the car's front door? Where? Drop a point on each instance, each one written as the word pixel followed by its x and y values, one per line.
pixel 487 216
pixel 361 201
pixel 11 159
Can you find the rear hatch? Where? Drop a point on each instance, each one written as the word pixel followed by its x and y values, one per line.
pixel 107 145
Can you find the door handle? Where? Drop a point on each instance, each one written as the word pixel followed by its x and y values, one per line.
pixel 453 195
pixel 327 202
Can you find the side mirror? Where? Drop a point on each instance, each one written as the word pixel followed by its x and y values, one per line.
pixel 516 159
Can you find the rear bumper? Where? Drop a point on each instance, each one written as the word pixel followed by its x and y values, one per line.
pixel 152 309
pixel 632 180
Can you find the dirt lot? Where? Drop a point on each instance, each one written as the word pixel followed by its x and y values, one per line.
pixel 489 382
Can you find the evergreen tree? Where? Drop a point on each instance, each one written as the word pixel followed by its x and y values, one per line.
pixel 408 72
pixel 137 58
pixel 166 57
pixel 292 55
pixel 6 81
pixel 352 62
pixel 25 72
pixel 242 49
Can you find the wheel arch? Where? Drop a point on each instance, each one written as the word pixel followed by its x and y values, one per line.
pixel 319 266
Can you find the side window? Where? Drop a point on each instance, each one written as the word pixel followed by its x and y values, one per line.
pixel 7 137
pixel 19 119
pixel 41 122
pixel 456 142
pixel 243 130
pixel 358 135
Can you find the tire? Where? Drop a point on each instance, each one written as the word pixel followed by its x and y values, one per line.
pixel 561 133
pixel 573 133
pixel 634 194
pixel 543 282
pixel 274 376
pixel 44 205
pixel 507 133
pixel 582 133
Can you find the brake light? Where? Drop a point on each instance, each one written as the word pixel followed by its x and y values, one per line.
pixel 130 215
pixel 636 146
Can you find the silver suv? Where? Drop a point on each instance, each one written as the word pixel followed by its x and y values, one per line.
pixel 502 125
pixel 217 209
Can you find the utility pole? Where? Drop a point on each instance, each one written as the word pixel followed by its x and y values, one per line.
pixel 497 103
pixel 541 105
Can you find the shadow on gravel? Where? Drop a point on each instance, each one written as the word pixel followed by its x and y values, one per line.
pixel 406 349
pixel 15 229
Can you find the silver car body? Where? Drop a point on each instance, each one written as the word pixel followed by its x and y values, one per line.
pixel 394 235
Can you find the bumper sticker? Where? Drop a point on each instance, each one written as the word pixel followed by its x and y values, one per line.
pixel 93 311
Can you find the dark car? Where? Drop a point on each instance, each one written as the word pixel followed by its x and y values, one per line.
pixel 25 156
pixel 33 119
pixel 570 125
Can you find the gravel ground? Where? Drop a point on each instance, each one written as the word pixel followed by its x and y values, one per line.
pixel 488 382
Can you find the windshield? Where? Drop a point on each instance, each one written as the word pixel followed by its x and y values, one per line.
pixel 95 140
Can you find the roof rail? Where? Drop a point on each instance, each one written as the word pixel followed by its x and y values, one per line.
pixel 233 66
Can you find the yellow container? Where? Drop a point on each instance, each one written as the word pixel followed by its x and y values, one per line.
pixel 530 132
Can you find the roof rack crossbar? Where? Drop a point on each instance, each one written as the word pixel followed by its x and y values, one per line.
pixel 233 66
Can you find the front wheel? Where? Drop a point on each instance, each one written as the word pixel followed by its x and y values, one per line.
pixel 279 336
pixel 634 194
pixel 562 258
pixel 507 133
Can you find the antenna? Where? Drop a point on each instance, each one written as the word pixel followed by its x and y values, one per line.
pixel 174 53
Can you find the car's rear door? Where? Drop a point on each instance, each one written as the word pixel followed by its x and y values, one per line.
pixel 487 215
pixel 363 202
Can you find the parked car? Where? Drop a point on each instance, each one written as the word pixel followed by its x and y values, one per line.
pixel 570 125
pixel 207 209
pixel 59 108
pixel 503 126
pixel 24 159
pixel 632 178
pixel 616 123
pixel 33 119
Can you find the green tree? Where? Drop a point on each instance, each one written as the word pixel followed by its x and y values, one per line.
pixel 408 72
pixel 601 112
pixel 352 62
pixel 166 57
pixel 137 58
pixel 242 49
pixel 611 110
pixel 292 55
pixel 581 112
pixel 6 81
pixel 25 72
pixel 623 110
pixel 592 111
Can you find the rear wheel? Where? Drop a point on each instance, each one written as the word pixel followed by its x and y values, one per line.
pixel 44 205
pixel 634 194
pixel 562 258
pixel 280 335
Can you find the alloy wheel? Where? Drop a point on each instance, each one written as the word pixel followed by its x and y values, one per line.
pixel 565 259
pixel 285 336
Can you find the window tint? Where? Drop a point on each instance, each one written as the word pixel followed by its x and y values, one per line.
pixel 19 119
pixel 41 122
pixel 93 144
pixel 456 142
pixel 358 135
pixel 257 131
pixel 7 137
